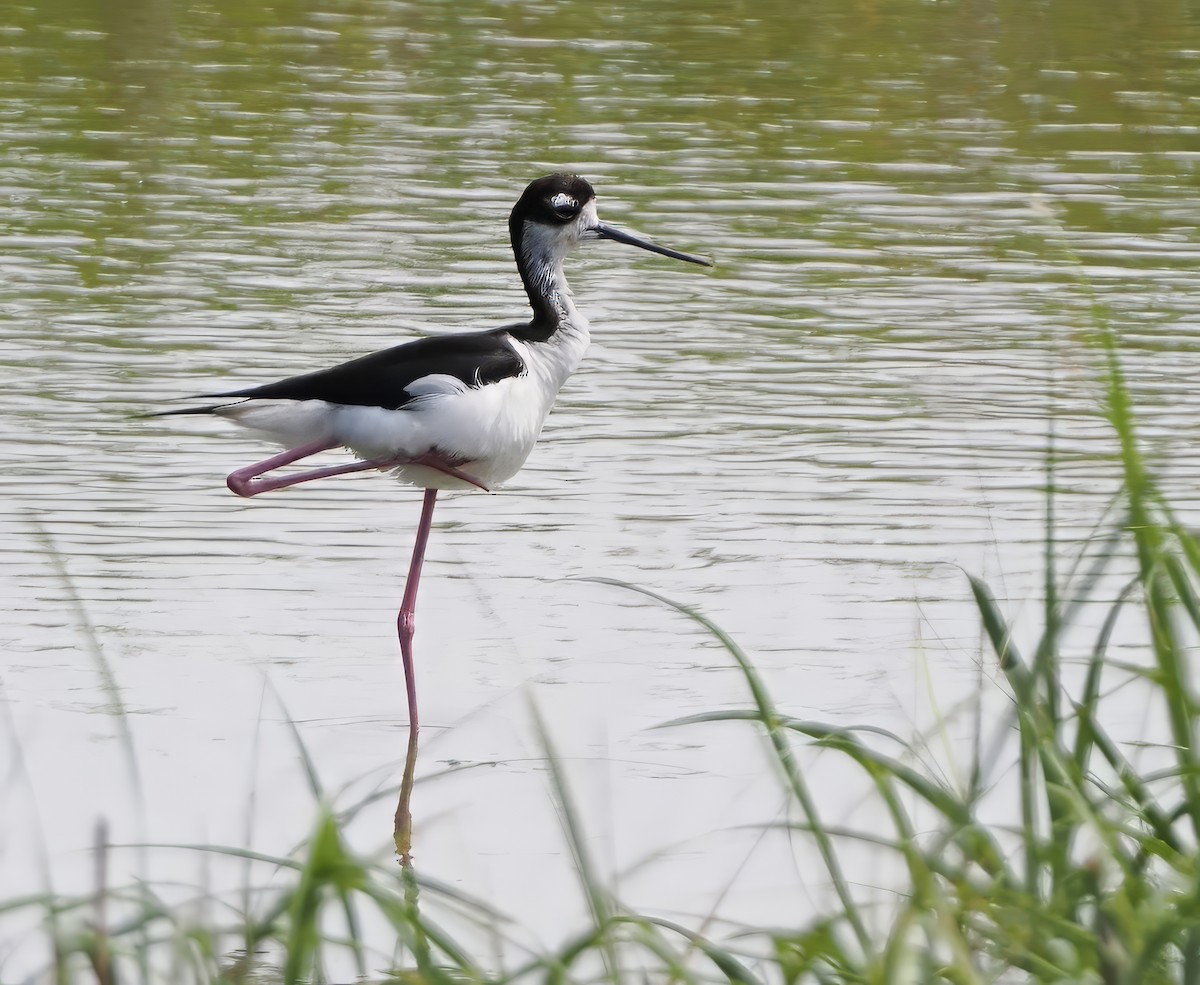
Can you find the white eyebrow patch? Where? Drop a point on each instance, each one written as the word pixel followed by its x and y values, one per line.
pixel 563 199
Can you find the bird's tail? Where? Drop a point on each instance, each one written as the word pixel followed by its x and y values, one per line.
pixel 290 422
pixel 211 409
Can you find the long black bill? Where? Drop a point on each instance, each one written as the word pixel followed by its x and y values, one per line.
pixel 605 231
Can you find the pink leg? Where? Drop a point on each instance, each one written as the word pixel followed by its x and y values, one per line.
pixel 439 463
pixel 406 623
pixel 249 482
pixel 246 481
pixel 405 626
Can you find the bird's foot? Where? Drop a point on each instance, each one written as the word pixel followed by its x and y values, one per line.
pixel 249 481
pixel 439 463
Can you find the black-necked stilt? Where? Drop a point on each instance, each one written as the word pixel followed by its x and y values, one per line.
pixel 448 412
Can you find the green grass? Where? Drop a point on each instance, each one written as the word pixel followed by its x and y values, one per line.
pixel 1093 880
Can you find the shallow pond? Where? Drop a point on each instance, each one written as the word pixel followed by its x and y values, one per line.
pixel 913 208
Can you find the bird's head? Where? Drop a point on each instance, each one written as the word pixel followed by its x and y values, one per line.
pixel 557 212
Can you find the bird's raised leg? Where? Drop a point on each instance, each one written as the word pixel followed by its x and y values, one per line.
pixel 439 463
pixel 405 626
pixel 249 481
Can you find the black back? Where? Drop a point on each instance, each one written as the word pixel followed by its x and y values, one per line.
pixel 381 378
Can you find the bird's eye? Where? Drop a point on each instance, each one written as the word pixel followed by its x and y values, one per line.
pixel 564 206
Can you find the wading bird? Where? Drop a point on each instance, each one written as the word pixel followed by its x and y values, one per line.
pixel 447 412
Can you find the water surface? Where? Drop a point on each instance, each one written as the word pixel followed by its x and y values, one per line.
pixel 916 210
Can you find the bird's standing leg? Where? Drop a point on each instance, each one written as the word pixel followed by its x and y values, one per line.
pixel 405 626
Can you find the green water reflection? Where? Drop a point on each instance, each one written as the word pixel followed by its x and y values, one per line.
pixel 708 90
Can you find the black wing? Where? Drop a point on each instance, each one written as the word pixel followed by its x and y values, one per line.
pixel 381 379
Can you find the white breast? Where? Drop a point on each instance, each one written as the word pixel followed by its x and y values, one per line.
pixel 491 429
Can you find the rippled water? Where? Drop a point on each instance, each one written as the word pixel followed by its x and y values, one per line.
pixel 912 207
